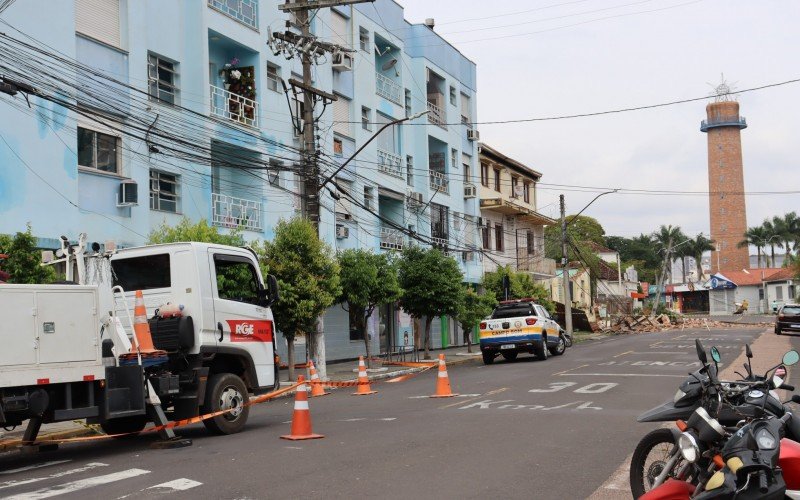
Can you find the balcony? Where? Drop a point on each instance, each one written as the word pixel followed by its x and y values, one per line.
pixel 232 212
pixel 723 121
pixel 392 239
pixel 243 11
pixel 388 89
pixel 233 107
pixel 441 244
pixel 390 163
pixel 437 115
pixel 439 182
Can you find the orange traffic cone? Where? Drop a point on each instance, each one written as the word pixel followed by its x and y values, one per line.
pixel 443 381
pixel 301 419
pixel 316 389
pixel 144 341
pixel 363 380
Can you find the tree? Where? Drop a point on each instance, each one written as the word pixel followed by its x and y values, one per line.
pixel 773 238
pixel 522 286
pixel 580 229
pixel 367 280
pixel 431 284
pixel 755 236
pixel 23 264
pixel 638 252
pixel 308 278
pixel 472 310
pixel 786 228
pixel 201 231
pixel 682 251
pixel 698 246
pixel 665 240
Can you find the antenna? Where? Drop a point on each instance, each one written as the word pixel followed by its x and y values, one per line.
pixel 723 91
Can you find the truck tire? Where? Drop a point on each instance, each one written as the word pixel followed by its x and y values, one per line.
pixel 560 348
pixel 226 391
pixel 488 358
pixel 509 356
pixel 129 426
pixel 541 349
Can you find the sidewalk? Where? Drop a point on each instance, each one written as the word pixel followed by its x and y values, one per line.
pixel 348 370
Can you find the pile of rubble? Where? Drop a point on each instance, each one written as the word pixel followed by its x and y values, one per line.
pixel 636 324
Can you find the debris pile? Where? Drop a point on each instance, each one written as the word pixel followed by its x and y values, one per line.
pixel 639 324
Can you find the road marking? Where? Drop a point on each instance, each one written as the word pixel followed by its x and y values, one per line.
pixel 352 420
pixel 680 336
pixel 20 482
pixel 576 368
pixel 477 396
pixel 623 353
pixel 486 405
pixel 621 375
pixel 74 486
pixel 35 466
pixel 497 391
pixel 181 484
pixel 389 419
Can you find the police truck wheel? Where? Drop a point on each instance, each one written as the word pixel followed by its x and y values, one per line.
pixel 226 391
pixel 541 349
pixel 488 358
pixel 509 355
pixel 128 426
pixel 559 349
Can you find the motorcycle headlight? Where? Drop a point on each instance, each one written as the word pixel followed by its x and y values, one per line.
pixel 688 447
pixel 765 440
pixel 678 396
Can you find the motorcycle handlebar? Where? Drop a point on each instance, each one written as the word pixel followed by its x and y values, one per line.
pixel 787 387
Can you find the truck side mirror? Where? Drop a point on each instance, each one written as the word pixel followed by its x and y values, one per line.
pixel 272 290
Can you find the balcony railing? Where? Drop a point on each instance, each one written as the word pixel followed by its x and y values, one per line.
pixel 441 244
pixel 392 239
pixel 232 212
pixel 387 88
pixel 723 121
pixel 390 163
pixel 439 182
pixel 234 107
pixel 244 11
pixel 437 115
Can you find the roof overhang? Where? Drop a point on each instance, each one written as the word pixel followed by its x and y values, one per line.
pixel 506 207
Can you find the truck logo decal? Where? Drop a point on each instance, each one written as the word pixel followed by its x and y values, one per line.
pixel 244 330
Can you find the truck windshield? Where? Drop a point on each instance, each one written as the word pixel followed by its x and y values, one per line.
pixel 513 311
pixel 142 273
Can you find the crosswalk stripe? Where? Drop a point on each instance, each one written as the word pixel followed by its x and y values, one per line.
pixel 20 482
pixel 35 466
pixel 74 486
pixel 181 484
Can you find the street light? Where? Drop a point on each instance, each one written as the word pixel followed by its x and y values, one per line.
pixel 376 134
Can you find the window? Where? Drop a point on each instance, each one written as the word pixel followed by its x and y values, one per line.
pixel 526 192
pixel 791 291
pixel 236 279
pixel 142 273
pixel 452 95
pixel 487 240
pixel 779 292
pixel 162 79
pixel 343 206
pixel 363 39
pixel 485 174
pixel 498 237
pixel 467 174
pixel 531 243
pixel 410 170
pixel 369 198
pixel 98 20
pixel 408 102
pixel 453 159
pixel 356 322
pixel 163 191
pixel 97 150
pixel 497 180
pixel 273 77
pixel 338 147
pixel 341 116
pixel 515 187
pixel 366 118
pixel 440 221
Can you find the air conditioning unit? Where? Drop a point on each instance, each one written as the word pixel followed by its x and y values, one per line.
pixel 470 191
pixel 342 232
pixel 473 134
pixel 128 193
pixel 415 198
pixel 342 61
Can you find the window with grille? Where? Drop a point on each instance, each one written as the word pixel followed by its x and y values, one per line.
pixel 363 39
pixel 164 191
pixel 273 77
pixel 439 221
pixel 98 151
pixel 410 170
pixel 162 79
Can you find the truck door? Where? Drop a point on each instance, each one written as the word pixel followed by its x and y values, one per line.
pixel 241 323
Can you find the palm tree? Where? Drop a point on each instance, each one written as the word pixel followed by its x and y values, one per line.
pixel 683 250
pixel 700 245
pixel 755 236
pixel 665 240
pixel 772 236
pixel 789 235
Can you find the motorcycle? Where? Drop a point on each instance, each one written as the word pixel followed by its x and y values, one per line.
pixel 656 457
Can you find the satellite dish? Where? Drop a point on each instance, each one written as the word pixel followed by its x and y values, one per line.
pixel 389 65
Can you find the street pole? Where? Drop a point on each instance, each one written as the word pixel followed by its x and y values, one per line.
pixel 565 270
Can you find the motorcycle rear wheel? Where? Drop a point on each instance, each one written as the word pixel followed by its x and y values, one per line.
pixel 649 459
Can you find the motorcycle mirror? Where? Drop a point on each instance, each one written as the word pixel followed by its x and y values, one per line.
pixel 747 351
pixel 701 352
pixel 791 358
pixel 795 398
pixel 777 377
pixel 715 354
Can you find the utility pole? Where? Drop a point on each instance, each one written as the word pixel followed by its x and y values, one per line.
pixel 565 270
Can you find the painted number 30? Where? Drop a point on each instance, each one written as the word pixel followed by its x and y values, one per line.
pixel 595 388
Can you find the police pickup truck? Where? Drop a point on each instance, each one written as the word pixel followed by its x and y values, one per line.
pixel 518 326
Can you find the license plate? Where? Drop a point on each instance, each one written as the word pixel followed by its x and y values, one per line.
pixel 508 346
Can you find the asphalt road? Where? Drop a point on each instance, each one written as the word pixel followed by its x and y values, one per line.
pixel 527 429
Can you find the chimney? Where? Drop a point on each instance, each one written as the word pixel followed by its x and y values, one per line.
pixel 430 23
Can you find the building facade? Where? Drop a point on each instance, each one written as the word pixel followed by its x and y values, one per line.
pixel 150 112
pixel 512 231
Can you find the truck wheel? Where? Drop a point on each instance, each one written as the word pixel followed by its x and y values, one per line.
pixel 129 426
pixel 559 349
pixel 509 356
pixel 226 391
pixel 541 349
pixel 488 358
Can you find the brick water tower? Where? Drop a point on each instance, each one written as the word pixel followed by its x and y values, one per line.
pixel 726 181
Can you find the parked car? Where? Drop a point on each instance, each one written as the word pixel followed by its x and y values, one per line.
pixel 788 318
pixel 520 326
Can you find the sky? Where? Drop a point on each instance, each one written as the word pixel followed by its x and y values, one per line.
pixel 585 56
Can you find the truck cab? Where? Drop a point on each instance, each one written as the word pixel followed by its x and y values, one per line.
pixel 517 326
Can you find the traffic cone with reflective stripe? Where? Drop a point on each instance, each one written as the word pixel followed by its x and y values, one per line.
pixel 363 380
pixel 316 383
pixel 443 381
pixel 301 419
pixel 141 328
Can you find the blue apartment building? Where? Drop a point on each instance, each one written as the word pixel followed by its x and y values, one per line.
pixel 193 92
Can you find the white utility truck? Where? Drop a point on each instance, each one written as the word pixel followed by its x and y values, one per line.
pixel 64 347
